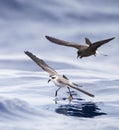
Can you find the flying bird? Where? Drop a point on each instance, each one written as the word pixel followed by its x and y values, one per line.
pixel 59 80
pixel 83 50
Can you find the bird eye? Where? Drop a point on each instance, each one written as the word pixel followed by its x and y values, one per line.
pixel 53 77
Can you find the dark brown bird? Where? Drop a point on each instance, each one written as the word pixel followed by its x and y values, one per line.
pixel 83 50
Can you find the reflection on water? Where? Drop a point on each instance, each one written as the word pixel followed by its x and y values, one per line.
pixel 85 109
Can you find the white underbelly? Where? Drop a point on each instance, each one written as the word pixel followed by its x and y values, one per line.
pixel 59 84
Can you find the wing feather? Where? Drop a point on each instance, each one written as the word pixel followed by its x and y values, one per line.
pixel 41 63
pixel 64 43
pixel 70 84
pixel 81 90
pixel 100 43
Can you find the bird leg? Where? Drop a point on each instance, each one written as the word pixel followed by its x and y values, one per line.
pixel 57 91
pixel 103 54
pixel 70 96
pixel 56 95
pixel 97 52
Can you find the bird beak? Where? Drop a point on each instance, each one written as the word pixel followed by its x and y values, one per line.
pixel 49 80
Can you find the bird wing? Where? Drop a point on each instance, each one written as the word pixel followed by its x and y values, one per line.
pixel 100 43
pixel 88 41
pixel 64 43
pixel 41 63
pixel 67 82
pixel 81 90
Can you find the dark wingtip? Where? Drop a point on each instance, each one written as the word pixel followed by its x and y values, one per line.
pixel 88 41
pixel 92 95
pixel 26 52
pixel 47 37
pixel 112 38
pixel 86 38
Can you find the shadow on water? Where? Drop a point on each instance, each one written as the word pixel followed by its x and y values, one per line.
pixel 85 109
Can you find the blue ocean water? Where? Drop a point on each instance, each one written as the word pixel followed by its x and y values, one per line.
pixel 26 99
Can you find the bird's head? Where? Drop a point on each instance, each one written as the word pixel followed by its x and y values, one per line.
pixel 51 78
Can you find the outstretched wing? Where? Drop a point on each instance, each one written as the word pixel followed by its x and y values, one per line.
pixel 81 90
pixel 64 43
pixel 100 43
pixel 72 85
pixel 41 63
